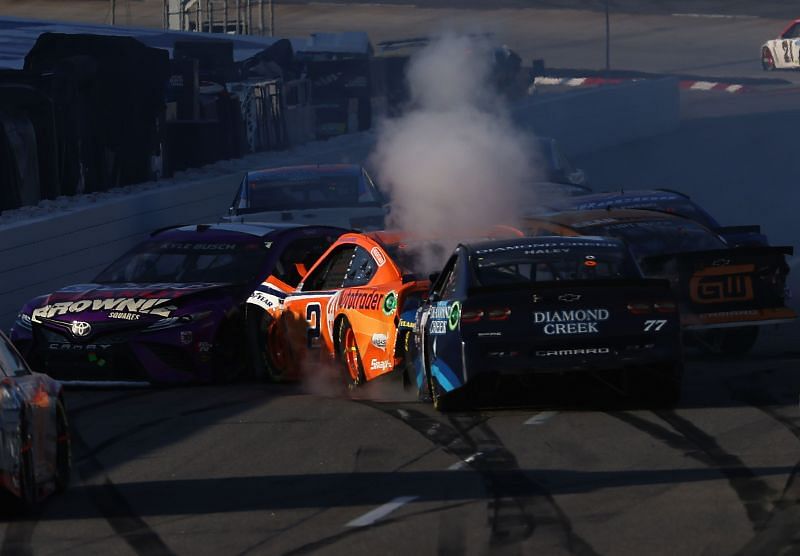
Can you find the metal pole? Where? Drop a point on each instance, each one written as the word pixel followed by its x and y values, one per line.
pixel 249 18
pixel 113 12
pixel 225 16
pixel 608 41
pixel 182 15
pixel 238 16
pixel 271 18
pixel 262 25
pixel 210 16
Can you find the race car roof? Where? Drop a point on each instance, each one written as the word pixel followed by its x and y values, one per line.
pixel 621 198
pixel 604 216
pixel 549 241
pixel 311 170
pixel 255 229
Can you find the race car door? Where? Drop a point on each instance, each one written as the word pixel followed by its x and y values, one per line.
pixel 441 322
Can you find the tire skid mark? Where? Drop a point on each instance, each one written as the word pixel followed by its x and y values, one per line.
pixel 753 493
pixel 18 538
pixel 127 433
pixel 512 518
pixel 115 508
pixel 781 533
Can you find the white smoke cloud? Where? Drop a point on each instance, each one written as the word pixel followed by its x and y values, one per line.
pixel 453 164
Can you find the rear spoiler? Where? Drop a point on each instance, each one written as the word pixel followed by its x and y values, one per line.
pixel 753 229
pixel 564 284
pixel 723 254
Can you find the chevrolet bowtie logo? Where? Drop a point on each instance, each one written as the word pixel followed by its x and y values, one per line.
pixel 537 298
pixel 569 297
pixel 80 329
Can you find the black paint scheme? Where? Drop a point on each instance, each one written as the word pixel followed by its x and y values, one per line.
pixel 529 306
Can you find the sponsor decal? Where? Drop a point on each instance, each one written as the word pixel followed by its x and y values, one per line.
pixel 389 303
pixel 57 346
pixel 722 284
pixel 186 337
pixel 379 341
pixel 176 246
pixel 380 365
pixel 438 327
pixel 407 324
pixel 440 312
pixel 569 297
pixel 363 300
pixel 204 347
pixel 578 321
pixel 123 316
pixel 577 351
pixel 330 311
pixel 642 200
pixel 135 305
pixel 80 329
pixel 378 256
pixel 455 315
pixel 264 300
pixel 721 314
pixel 537 298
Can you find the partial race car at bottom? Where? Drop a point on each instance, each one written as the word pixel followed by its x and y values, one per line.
pixel 519 309
pixel 35 456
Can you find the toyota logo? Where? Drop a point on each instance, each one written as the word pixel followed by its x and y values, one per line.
pixel 80 329
pixel 569 297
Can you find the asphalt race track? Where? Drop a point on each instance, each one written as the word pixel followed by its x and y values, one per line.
pixel 302 469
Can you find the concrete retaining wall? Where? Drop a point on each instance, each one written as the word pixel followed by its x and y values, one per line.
pixel 40 255
pixel 589 119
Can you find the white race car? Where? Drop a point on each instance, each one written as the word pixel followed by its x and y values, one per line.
pixel 783 52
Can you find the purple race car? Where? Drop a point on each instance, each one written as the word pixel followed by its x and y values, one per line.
pixel 169 310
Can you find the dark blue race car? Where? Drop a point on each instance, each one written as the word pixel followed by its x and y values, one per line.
pixel 171 309
pixel 530 306
pixel 668 201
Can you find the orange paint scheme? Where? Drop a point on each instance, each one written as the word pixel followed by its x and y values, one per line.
pixel 356 284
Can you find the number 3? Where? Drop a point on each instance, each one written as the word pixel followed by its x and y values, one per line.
pixel 313 314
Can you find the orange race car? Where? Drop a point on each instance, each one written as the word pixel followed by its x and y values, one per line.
pixel 354 309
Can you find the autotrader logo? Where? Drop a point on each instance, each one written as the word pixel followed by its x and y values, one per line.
pixel 80 329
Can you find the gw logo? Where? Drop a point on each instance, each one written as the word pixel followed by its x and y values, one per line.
pixel 718 285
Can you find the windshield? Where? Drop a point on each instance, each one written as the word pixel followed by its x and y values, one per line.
pixel 187 262
pixel 309 192
pixel 547 262
pixel 664 203
pixel 658 237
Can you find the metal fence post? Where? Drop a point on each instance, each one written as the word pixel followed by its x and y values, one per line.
pixel 271 18
pixel 113 12
pixel 225 17
pixel 261 22
pixel 249 18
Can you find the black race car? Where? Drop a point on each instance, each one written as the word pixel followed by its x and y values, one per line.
pixel 526 306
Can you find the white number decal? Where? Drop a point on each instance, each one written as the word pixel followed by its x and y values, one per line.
pixel 654 325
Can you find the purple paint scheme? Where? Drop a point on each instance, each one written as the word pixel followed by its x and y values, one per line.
pixel 169 311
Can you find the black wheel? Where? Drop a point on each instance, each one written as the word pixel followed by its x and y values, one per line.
pixel 728 341
pixel 767 61
pixel 442 401
pixel 352 369
pixel 659 387
pixel 63 449
pixel 266 350
pixel 229 361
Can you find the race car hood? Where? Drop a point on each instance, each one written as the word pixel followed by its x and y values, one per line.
pixel 123 302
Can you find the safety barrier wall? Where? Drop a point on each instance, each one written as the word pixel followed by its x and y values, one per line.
pixel 43 254
pixel 590 119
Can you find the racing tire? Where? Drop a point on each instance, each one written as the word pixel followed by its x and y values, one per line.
pixel 767 61
pixel 730 342
pixel 265 348
pixel 352 368
pixel 442 401
pixel 63 449
pixel 659 388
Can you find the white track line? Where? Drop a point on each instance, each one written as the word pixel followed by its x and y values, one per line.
pixel 733 88
pixel 380 512
pixel 465 462
pixel 541 418
pixel 716 16
pixel 703 85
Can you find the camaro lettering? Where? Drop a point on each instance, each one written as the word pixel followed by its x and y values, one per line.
pixel 577 351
